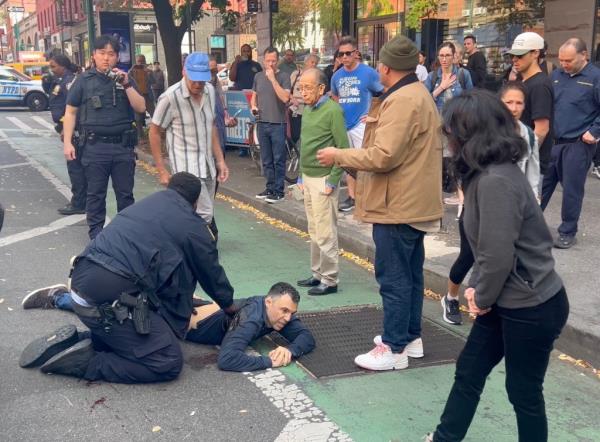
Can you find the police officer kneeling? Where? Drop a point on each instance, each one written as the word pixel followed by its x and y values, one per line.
pixel 107 101
pixel 133 287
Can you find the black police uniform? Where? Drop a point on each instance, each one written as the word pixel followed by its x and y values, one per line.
pixel 159 246
pixel 57 89
pixel 107 141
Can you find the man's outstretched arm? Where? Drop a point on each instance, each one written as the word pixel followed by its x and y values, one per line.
pixel 300 338
pixel 233 357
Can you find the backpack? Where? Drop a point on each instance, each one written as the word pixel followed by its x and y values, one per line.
pixel 461 79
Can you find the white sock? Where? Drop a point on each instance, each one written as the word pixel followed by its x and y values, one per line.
pixel 451 298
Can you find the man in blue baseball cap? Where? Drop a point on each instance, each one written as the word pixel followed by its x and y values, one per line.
pixel 186 112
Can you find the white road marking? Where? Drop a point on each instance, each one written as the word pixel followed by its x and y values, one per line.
pixel 17 122
pixel 8 166
pixel 307 421
pixel 43 122
pixel 32 233
pixel 58 184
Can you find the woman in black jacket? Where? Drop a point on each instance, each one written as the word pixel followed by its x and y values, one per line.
pixel 518 298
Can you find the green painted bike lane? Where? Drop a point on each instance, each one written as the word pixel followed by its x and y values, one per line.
pixel 394 406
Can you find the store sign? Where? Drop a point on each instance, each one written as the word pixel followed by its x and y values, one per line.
pixel 144 27
pixel 217 42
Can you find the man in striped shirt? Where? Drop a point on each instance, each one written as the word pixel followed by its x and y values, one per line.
pixel 186 111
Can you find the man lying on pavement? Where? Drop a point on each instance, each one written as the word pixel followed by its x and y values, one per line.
pixel 258 316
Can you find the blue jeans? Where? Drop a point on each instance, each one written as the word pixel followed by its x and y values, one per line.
pixel 271 138
pixel 64 301
pixel 569 166
pixel 399 257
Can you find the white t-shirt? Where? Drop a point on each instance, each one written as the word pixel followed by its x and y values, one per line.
pixel 421 72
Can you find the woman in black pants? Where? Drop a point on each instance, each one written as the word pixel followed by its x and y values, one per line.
pixel 519 299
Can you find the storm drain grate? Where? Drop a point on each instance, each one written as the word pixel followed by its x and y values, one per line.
pixel 342 334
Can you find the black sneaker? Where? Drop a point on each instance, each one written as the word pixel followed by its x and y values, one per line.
pixel 274 198
pixel 451 310
pixel 70 210
pixel 565 242
pixel 347 205
pixel 42 349
pixel 264 194
pixel 44 297
pixel 73 361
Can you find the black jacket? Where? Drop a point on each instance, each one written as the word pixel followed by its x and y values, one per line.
pixel 251 324
pixel 162 245
pixel 477 67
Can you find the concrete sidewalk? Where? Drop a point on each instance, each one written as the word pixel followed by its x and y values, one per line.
pixel 577 266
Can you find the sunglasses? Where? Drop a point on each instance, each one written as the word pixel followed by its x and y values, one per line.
pixel 521 56
pixel 346 53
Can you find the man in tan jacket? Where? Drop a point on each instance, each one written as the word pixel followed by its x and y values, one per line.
pixel 399 191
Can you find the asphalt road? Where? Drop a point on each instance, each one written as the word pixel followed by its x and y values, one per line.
pixel 35 247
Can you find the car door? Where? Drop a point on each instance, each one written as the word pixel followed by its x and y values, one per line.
pixel 10 87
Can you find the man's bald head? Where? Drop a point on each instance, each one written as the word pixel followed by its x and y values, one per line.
pixel 572 55
pixel 316 75
pixel 312 85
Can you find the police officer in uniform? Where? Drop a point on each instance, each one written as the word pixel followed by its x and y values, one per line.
pixel 106 100
pixel 133 288
pixel 57 85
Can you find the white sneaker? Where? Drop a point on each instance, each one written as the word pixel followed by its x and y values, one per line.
pixel 381 358
pixel 413 349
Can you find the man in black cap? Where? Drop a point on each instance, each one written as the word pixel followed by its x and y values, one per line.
pixel 399 192
pixel 133 287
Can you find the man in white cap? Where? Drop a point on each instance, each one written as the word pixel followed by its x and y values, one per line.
pixel 539 101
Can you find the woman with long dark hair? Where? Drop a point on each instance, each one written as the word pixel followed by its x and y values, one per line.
pixel 517 296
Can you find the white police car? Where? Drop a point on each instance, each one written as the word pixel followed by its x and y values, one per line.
pixel 17 89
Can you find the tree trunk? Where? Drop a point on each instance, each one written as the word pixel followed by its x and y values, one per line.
pixel 171 35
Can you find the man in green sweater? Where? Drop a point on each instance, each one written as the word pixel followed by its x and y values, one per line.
pixel 322 126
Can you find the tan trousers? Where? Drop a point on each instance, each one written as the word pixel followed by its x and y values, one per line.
pixel 321 212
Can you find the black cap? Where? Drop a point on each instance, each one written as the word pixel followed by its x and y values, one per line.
pixel 187 185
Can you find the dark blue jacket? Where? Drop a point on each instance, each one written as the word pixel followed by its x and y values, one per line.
pixel 166 248
pixel 57 95
pixel 576 102
pixel 251 324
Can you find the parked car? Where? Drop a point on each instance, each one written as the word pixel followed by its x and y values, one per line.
pixel 17 89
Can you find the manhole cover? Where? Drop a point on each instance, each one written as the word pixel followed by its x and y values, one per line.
pixel 342 334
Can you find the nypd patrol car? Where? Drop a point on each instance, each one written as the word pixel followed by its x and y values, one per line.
pixel 17 89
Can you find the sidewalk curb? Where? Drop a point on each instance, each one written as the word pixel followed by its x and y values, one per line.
pixel 572 341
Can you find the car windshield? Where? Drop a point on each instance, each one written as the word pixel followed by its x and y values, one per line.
pixel 20 76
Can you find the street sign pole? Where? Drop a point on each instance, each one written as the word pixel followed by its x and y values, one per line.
pixel 89 11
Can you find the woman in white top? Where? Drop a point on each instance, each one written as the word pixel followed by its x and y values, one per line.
pixel 512 95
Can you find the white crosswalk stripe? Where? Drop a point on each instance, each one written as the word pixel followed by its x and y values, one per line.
pixel 43 122
pixel 17 122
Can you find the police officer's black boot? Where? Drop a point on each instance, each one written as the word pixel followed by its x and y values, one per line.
pixel 73 361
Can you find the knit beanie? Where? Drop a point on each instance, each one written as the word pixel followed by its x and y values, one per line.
pixel 187 185
pixel 400 54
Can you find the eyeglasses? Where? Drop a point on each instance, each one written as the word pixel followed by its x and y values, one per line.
pixel 346 53
pixel 446 56
pixel 307 87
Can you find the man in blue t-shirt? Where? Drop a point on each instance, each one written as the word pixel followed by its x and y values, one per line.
pixel 352 87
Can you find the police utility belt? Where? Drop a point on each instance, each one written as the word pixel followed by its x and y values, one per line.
pixel 128 138
pixel 135 307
